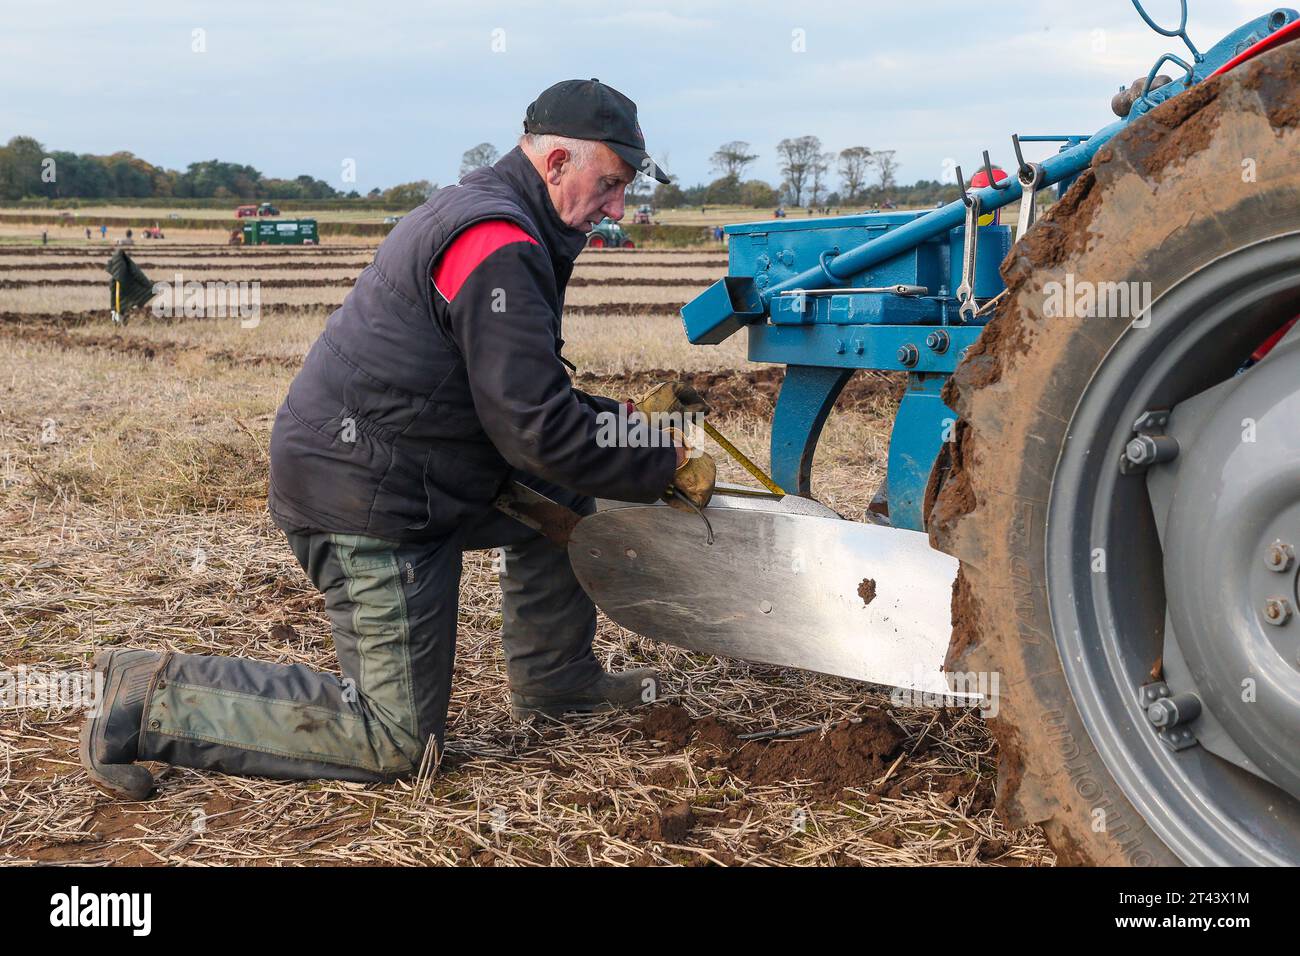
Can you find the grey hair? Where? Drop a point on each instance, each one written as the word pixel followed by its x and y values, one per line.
pixel 582 150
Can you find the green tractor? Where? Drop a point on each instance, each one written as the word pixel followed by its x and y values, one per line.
pixel 608 234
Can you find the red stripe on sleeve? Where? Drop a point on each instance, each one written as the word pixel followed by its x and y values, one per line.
pixel 469 249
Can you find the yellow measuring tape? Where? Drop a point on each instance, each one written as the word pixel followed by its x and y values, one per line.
pixel 745 463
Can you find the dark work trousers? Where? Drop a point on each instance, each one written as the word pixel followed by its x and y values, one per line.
pixel 393 611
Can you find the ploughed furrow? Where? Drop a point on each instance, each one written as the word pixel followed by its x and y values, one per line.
pixel 318 283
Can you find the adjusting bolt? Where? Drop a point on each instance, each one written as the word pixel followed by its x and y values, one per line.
pixel 908 356
pixel 1145 450
pixel 937 341
pixel 1277 611
pixel 1149 444
pixel 1279 556
pixel 1172 711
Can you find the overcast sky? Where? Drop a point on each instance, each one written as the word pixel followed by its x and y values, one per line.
pixel 404 88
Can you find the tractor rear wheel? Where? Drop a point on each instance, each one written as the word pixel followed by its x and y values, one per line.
pixel 1079 579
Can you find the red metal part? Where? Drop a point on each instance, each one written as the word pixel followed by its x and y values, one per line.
pixel 1273 339
pixel 979 181
pixel 1289 32
pixel 981 178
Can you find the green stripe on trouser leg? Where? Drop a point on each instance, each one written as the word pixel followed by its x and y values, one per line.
pixel 393 611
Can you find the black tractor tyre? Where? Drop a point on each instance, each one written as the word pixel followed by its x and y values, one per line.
pixel 1209 173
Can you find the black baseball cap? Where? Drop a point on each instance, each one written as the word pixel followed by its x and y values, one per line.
pixel 588 109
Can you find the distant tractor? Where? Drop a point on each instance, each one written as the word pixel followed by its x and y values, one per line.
pixel 153 232
pixel 642 217
pixel 266 209
pixel 281 232
pixel 609 234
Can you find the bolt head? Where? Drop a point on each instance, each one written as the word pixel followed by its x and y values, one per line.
pixel 937 341
pixel 1140 450
pixel 1279 556
pixel 1277 611
pixel 1161 712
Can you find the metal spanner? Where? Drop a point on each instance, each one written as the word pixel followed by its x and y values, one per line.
pixel 966 291
pixel 1029 192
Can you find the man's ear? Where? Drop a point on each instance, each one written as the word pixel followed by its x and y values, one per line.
pixel 556 160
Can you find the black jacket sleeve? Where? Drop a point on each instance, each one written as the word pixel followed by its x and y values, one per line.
pixel 505 321
pixel 599 402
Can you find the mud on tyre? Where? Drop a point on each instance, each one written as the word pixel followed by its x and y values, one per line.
pixel 1064 585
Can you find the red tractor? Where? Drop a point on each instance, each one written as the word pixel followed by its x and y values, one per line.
pixel 266 209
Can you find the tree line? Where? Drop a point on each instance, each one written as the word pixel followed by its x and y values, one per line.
pixel 809 175
pixel 29 171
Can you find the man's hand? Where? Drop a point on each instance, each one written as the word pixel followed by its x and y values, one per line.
pixel 695 477
pixel 671 398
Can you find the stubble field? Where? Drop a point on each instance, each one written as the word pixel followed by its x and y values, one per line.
pixel 133 468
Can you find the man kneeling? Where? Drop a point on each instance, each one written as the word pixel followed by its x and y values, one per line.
pixel 437 381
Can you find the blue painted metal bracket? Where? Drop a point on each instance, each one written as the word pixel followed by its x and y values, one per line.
pixel 922 425
pixel 862 346
pixel 806 398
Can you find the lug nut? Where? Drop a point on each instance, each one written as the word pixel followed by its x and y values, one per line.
pixel 1172 711
pixel 1279 556
pixel 1277 611
pixel 908 356
pixel 1151 449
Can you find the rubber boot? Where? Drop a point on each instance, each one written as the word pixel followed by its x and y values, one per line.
pixel 110 741
pixel 623 691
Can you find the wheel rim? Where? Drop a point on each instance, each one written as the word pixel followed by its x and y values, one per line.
pixel 1110 623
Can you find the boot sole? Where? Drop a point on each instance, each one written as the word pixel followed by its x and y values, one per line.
pixel 124 781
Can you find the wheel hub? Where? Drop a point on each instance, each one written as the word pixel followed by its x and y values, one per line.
pixel 1228 510
pixel 1156 562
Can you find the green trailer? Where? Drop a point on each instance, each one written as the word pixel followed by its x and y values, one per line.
pixel 281 232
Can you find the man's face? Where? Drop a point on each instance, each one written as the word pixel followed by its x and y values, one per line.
pixel 583 196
